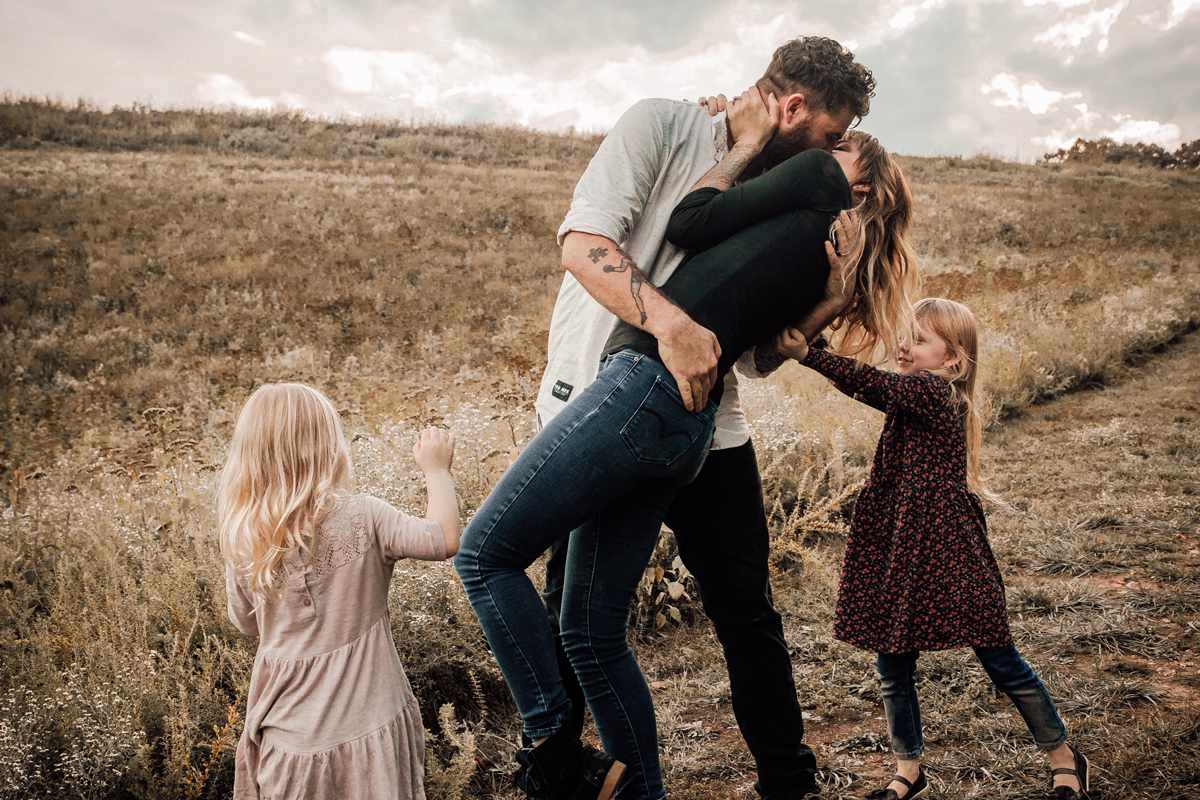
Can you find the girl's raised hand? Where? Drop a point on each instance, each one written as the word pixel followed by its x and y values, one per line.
pixel 791 343
pixel 434 450
pixel 752 119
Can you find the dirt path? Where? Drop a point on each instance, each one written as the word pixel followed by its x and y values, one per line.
pixel 1101 552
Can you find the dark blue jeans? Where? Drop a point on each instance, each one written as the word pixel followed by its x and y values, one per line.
pixel 605 471
pixel 1006 668
pixel 721 527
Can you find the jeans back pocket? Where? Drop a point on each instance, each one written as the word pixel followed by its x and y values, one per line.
pixel 662 429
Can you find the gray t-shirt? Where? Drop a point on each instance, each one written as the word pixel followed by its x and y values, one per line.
pixel 646 164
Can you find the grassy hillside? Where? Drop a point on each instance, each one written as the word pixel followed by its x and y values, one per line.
pixel 155 267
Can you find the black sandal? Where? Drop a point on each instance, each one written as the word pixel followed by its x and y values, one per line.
pixel 1080 772
pixel 916 789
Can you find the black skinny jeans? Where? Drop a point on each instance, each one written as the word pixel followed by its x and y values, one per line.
pixel 721 528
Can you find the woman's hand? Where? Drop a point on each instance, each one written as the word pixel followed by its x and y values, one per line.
pixel 434 450
pixel 843 266
pixel 752 119
pixel 714 104
pixel 752 122
pixel 791 343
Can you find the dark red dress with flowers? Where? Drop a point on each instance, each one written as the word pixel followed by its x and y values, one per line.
pixel 919 573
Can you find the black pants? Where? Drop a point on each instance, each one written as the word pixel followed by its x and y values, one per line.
pixel 721 528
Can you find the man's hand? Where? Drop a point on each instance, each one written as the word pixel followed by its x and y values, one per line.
pixel 791 343
pixel 843 267
pixel 690 351
pixel 753 119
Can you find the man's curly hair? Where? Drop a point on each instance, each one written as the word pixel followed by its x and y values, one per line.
pixel 824 72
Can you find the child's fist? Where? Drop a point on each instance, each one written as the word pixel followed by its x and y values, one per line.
pixel 791 343
pixel 434 450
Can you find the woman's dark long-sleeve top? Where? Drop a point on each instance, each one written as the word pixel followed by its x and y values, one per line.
pixel 757 262
pixel 918 573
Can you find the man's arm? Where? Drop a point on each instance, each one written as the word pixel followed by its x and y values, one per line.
pixel 688 350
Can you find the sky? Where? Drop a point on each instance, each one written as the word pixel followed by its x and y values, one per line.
pixel 1013 79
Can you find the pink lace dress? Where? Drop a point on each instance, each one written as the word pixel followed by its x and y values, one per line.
pixel 330 713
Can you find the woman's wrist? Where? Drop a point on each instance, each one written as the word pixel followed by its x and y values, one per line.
pixel 768 361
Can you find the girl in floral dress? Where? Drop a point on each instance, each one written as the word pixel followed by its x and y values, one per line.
pixel 919 573
pixel 330 713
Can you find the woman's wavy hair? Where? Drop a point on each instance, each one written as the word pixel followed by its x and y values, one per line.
pixel 286 464
pixel 888 267
pixel 955 325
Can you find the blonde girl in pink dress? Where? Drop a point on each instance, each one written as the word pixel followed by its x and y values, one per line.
pixel 330 713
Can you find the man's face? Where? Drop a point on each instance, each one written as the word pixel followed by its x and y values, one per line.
pixel 807 130
pixel 823 130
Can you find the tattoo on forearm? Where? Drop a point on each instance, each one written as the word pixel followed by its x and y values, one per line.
pixel 636 279
pixel 723 174
pixel 726 172
pixel 597 253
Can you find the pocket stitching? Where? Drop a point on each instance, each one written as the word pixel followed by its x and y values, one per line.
pixel 658 385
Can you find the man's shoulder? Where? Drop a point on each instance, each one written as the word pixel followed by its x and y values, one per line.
pixel 678 115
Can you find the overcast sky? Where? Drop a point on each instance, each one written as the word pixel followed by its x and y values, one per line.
pixel 1012 78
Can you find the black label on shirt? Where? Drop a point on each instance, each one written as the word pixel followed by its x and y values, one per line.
pixel 562 391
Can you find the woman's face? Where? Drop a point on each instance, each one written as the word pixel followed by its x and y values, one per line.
pixel 846 153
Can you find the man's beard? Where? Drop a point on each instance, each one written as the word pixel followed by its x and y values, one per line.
pixel 785 144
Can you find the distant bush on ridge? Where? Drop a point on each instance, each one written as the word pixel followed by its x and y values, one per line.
pixel 1107 151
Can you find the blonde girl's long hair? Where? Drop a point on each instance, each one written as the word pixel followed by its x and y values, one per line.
pixel 955 325
pixel 888 267
pixel 287 462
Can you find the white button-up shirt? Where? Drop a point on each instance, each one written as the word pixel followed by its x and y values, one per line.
pixel 647 163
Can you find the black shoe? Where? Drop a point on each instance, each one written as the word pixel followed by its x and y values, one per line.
pixel 561 768
pixel 916 789
pixel 1080 772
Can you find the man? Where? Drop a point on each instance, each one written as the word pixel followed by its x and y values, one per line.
pixel 615 254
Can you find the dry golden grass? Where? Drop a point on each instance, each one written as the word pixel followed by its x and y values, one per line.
pixel 156 267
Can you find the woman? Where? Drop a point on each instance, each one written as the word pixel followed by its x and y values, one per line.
pixel 606 468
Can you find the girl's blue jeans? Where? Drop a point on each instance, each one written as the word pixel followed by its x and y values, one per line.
pixel 1006 668
pixel 605 471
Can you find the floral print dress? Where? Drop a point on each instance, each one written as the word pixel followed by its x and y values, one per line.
pixel 918 573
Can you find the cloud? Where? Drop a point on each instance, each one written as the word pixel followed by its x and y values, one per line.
pixel 465 79
pixel 907 15
pixel 1078 28
pixel 585 26
pixel 1118 127
pixel 1149 76
pixel 1031 97
pixel 928 99
pixel 220 90
pixel 1180 10
pixel 1059 3
pixel 246 38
